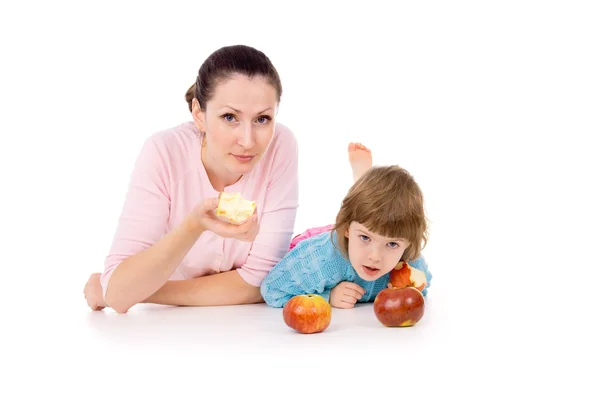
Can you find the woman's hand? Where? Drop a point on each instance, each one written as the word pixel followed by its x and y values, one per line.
pixel 204 217
pixel 93 293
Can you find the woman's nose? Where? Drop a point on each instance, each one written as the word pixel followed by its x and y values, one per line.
pixel 246 138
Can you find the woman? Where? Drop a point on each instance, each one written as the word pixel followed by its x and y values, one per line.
pixel 169 248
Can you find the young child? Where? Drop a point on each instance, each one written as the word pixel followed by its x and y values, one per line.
pixel 381 222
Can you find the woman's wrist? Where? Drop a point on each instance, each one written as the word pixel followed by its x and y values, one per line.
pixel 192 226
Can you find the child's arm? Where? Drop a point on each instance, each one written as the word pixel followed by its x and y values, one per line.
pixel 299 273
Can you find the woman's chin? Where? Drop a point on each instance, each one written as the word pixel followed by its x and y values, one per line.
pixel 241 168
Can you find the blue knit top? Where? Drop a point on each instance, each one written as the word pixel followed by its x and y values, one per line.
pixel 315 265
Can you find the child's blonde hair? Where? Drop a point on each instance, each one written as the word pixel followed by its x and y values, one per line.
pixel 387 201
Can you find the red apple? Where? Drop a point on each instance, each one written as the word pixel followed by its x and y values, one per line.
pixel 404 275
pixel 399 306
pixel 307 313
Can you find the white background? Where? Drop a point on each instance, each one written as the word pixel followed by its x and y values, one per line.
pixel 493 106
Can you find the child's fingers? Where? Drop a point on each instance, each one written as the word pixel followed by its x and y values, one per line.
pixel 356 287
pixel 351 293
pixel 344 304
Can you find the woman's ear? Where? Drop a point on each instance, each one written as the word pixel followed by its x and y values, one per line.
pixel 198 115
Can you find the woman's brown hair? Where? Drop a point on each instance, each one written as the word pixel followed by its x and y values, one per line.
pixel 225 62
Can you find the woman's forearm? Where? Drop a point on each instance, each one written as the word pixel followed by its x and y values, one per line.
pixel 225 288
pixel 139 276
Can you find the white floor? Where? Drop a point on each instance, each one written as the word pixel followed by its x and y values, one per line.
pixel 465 345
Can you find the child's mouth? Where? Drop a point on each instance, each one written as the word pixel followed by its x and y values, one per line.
pixel 370 271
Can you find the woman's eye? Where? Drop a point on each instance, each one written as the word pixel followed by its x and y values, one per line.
pixel 263 119
pixel 229 117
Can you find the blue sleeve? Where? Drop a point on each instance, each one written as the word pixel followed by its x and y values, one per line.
pixel 421 265
pixel 298 273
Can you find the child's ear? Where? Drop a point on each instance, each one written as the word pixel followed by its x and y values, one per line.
pixel 346 233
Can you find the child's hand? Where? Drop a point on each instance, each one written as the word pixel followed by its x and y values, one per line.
pixel 345 295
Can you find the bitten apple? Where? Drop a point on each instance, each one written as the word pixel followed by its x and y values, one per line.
pixel 404 275
pixel 307 313
pixel 399 306
pixel 234 208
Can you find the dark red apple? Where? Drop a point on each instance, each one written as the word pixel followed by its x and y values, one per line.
pixel 399 306
pixel 307 313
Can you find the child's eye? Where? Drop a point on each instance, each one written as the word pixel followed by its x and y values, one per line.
pixel 364 238
pixel 393 245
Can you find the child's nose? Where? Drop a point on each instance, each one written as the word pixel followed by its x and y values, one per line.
pixel 374 255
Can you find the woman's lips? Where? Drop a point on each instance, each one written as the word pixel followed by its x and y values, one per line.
pixel 243 158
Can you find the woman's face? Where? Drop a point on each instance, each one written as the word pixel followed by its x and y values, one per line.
pixel 239 122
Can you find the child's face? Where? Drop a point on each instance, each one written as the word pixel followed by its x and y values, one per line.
pixel 373 255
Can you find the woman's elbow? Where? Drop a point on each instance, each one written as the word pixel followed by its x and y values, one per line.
pixel 120 293
pixel 118 303
pixel 116 299
pixel 113 296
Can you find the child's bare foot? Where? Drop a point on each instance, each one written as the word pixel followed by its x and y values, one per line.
pixel 360 159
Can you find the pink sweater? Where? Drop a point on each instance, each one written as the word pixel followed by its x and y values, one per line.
pixel 169 179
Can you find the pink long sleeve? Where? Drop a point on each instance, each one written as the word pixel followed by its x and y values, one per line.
pixel 145 212
pixel 169 180
pixel 278 215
